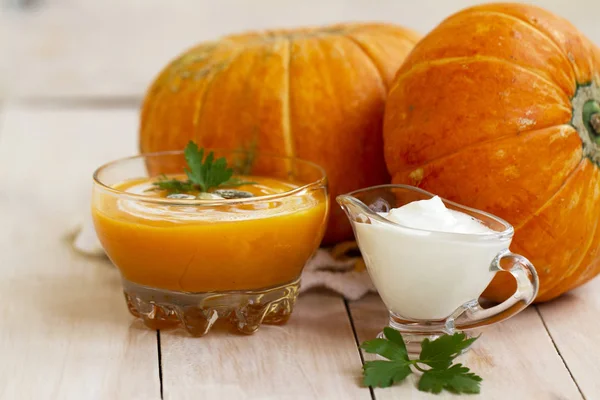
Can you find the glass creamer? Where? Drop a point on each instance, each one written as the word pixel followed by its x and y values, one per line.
pixel 430 277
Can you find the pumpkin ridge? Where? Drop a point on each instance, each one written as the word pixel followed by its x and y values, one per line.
pixel 576 266
pixel 209 85
pixel 198 100
pixel 152 112
pixel 572 269
pixel 550 39
pixel 350 35
pixel 586 274
pixel 565 183
pixel 286 112
pixel 371 60
pixel 552 196
pixel 534 28
pixel 163 84
pixel 150 108
pixel 473 59
pixel 519 134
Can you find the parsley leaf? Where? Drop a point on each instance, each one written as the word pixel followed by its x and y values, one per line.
pixel 441 352
pixel 456 379
pixel 381 373
pixel 438 355
pixel 395 337
pixel 392 348
pixel 203 173
pixel 172 185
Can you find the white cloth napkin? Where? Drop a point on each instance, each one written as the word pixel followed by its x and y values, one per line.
pixel 332 268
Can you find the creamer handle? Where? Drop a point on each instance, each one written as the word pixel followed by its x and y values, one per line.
pixel 475 316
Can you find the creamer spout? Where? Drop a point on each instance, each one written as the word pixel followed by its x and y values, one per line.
pixel 355 210
pixel 343 199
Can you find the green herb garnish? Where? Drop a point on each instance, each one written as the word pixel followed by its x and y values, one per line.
pixel 203 173
pixel 435 362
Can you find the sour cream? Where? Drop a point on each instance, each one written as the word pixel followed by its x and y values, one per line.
pixel 426 260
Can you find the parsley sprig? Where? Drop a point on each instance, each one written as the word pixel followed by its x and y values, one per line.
pixel 435 362
pixel 203 173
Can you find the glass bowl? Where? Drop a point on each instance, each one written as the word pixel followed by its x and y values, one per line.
pixel 186 263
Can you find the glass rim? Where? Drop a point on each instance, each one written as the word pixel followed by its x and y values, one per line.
pixel 322 181
pixel 507 233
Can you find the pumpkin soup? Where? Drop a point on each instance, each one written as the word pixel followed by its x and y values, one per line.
pixel 213 244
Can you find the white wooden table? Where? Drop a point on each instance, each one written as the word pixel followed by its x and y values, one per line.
pixel 68 102
pixel 66 334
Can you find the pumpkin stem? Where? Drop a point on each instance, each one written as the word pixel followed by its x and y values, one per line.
pixel 591 119
pixel 595 123
pixel 586 119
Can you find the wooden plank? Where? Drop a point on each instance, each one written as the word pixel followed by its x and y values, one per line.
pixel 573 321
pixel 314 356
pixel 65 331
pixel 516 359
pixel 116 47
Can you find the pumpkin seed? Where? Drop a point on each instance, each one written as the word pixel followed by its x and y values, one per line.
pixel 181 196
pixel 233 194
pixel 209 196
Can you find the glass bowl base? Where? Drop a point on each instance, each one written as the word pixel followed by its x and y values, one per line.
pixel 413 340
pixel 414 332
pixel 197 312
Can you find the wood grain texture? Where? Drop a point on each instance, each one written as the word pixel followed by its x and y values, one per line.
pixel 573 322
pixel 66 333
pixel 516 359
pixel 314 356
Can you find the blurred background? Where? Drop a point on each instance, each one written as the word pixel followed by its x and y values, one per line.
pixel 75 52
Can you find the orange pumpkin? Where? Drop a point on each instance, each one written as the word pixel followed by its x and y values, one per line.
pixel 316 94
pixel 498 108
